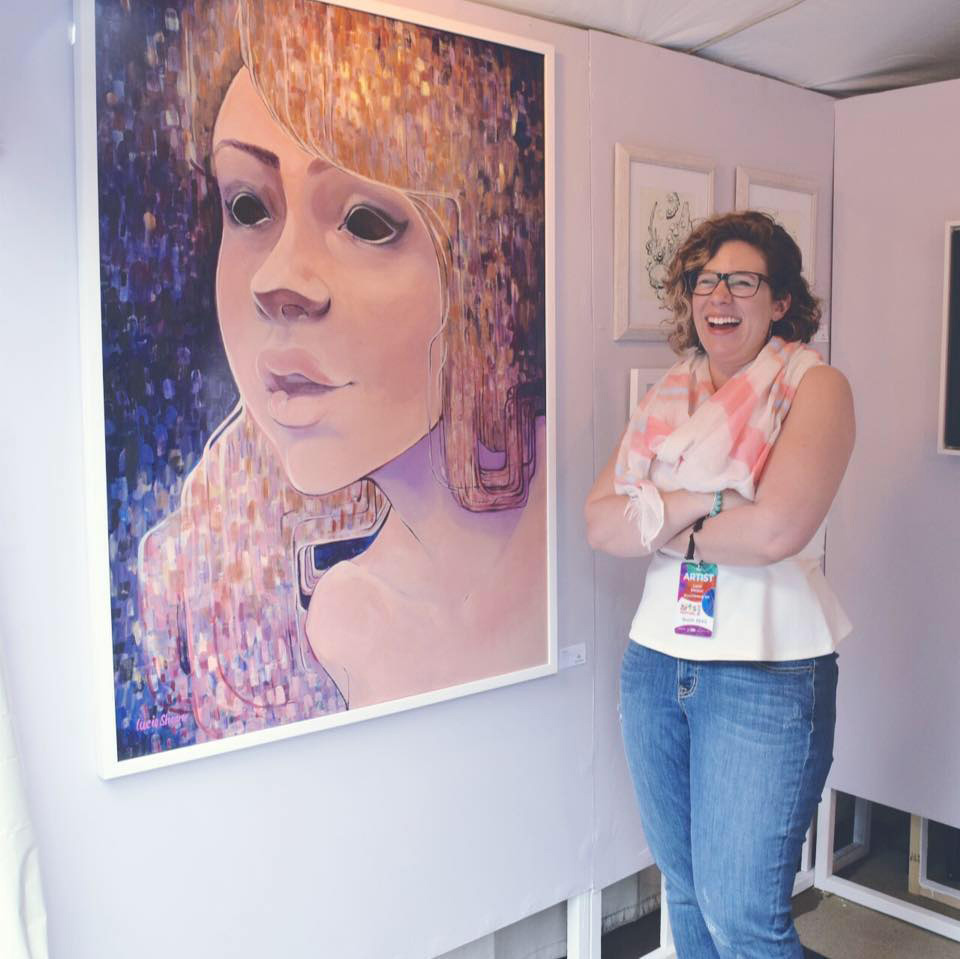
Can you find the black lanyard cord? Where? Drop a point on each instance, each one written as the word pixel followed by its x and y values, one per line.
pixel 697 526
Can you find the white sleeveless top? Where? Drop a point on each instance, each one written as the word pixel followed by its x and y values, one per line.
pixel 786 610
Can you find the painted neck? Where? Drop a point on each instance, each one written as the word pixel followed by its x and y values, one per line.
pixel 414 486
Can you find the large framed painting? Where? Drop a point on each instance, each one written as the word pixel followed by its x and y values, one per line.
pixel 317 311
pixel 658 198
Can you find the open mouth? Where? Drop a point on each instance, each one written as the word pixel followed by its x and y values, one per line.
pixel 723 322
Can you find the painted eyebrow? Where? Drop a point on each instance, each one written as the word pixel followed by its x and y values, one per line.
pixel 264 156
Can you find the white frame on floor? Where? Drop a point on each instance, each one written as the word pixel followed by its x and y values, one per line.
pixel 859 846
pixel 585 924
pixel 918 883
pixel 805 875
pixel 881 902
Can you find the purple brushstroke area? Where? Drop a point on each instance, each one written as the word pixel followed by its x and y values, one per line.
pixel 167 385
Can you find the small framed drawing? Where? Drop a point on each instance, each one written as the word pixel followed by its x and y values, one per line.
pixel 791 201
pixel 948 432
pixel 658 198
pixel 641 380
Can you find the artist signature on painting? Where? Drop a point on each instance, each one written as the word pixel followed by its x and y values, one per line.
pixel 161 721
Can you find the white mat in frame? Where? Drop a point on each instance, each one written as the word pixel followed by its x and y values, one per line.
pixel 790 200
pixel 658 197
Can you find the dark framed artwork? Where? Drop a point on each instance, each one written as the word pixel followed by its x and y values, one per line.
pixel 948 435
pixel 317 313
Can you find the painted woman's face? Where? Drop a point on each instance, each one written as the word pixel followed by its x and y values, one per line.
pixel 329 300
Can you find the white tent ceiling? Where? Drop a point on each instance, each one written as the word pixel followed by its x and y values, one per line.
pixel 840 47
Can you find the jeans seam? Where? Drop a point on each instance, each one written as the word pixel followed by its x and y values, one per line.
pixel 785 872
pixel 682 693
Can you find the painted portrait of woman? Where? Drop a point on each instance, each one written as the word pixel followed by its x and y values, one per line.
pixel 323 286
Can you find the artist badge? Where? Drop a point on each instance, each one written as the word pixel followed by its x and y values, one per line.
pixel 696 599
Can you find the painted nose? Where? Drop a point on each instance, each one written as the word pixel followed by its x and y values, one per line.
pixel 291 283
pixel 292 305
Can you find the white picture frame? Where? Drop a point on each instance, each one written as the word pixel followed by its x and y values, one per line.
pixel 641 380
pixel 100 628
pixel 658 197
pixel 948 414
pixel 790 200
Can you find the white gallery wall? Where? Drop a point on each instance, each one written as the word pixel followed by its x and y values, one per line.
pixel 893 540
pixel 409 835
pixel 648 97
pixel 400 837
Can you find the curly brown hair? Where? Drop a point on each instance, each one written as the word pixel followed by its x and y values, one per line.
pixel 784 265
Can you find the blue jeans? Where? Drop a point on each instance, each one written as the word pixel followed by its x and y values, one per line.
pixel 729 761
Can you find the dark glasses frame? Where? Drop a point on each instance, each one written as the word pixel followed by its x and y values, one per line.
pixel 692 276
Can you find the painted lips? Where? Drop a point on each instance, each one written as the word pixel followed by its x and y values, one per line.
pixel 298 388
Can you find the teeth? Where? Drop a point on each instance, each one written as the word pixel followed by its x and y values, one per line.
pixel 722 320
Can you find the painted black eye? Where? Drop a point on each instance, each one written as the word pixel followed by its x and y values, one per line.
pixel 247 210
pixel 371 225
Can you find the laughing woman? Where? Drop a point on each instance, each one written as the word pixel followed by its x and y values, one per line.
pixel 728 686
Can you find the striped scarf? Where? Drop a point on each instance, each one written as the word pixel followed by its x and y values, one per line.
pixel 684 434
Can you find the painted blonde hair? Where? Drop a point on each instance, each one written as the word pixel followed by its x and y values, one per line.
pixel 456 123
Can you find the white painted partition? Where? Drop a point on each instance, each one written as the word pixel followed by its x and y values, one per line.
pixel 896 526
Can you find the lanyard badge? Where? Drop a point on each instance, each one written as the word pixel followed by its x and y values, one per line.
pixel 697 594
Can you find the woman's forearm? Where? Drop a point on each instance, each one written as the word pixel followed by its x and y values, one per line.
pixel 610 529
pixel 743 534
pixel 746 535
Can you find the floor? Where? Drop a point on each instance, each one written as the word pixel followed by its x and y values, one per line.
pixel 829 927
pixel 834 928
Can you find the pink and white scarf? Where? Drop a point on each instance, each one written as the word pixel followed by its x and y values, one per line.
pixel 684 434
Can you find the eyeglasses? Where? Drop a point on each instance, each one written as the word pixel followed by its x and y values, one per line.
pixel 742 284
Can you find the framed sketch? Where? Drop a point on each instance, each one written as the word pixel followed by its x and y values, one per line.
pixel 790 200
pixel 948 432
pixel 317 315
pixel 640 382
pixel 658 198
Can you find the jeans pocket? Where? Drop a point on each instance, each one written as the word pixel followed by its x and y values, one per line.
pixel 788 666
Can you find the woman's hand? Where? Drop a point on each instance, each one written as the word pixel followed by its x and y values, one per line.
pixel 610 530
pixel 795 492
